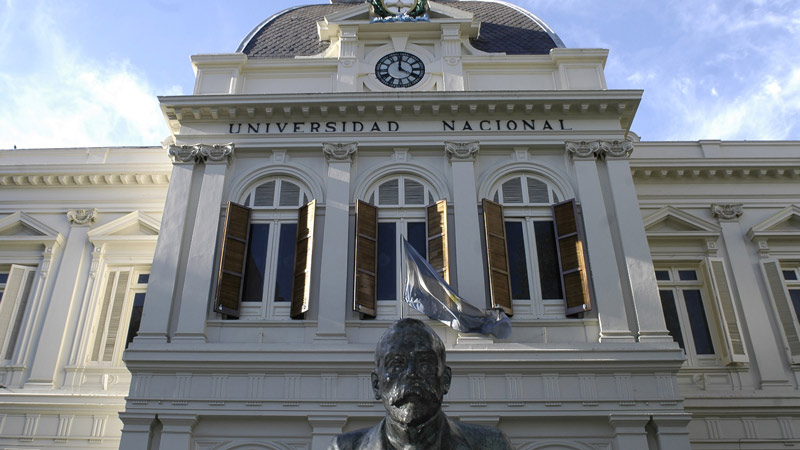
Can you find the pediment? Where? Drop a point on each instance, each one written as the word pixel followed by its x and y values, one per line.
pixel 21 227
pixel 361 12
pixel 129 227
pixel 786 223
pixel 671 220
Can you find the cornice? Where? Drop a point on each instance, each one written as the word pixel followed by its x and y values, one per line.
pixel 750 170
pixel 619 104
pixel 116 179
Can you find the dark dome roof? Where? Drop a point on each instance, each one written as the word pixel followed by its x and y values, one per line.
pixel 505 28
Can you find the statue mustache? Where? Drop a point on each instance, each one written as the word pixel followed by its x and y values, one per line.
pixel 402 394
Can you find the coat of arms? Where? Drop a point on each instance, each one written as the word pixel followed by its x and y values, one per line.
pixel 399 10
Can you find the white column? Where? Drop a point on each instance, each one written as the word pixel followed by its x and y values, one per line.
pixel 324 429
pixel 333 282
pixel 629 432
pixel 672 432
pixel 469 264
pixel 755 317
pixel 50 349
pixel 176 431
pixel 641 275
pixel 164 271
pixel 347 75
pixel 135 431
pixel 200 264
pixel 452 68
pixel 602 259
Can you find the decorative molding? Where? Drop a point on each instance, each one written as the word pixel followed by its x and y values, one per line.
pixel 462 151
pixel 730 211
pixel 291 393
pixel 514 390
pixel 588 390
pixel 478 390
pixel 39 180
pixel 329 391
pixel 184 153
pixel 624 389
pixel 82 216
pixel 552 393
pixel 255 389
pixel 339 151
pixel 219 153
pixel 644 170
pixel 584 150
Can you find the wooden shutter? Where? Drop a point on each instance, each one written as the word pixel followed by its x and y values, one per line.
pixel 771 270
pixel 232 258
pixel 105 341
pixel 571 258
pixel 727 317
pixel 12 306
pixel 366 251
pixel 497 256
pixel 301 281
pixel 438 255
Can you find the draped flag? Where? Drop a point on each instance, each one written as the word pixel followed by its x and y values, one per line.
pixel 428 293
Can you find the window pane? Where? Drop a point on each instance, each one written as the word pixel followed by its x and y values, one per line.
pixel 517 262
pixel 537 191
pixel 418 237
pixel 387 261
pixel 549 275
pixel 662 275
pixel 790 275
pixel 3 278
pixel 388 193
pixel 136 317
pixel 698 322
pixel 795 294
pixel 290 194
pixel 285 265
pixel 512 191
pixel 414 193
pixel 687 275
pixel 671 316
pixel 265 194
pixel 144 278
pixel 256 262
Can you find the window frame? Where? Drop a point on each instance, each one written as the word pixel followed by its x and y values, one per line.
pixel 528 213
pixel 677 286
pixel 401 214
pixel 791 285
pixel 275 216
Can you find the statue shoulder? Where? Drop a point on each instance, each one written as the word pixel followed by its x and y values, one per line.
pixel 482 437
pixel 354 440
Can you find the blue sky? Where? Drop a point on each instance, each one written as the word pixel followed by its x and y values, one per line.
pixel 87 73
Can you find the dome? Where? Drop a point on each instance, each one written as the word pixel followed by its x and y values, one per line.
pixel 505 28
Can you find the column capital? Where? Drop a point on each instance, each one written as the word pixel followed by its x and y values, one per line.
pixel 599 149
pixel 619 150
pixel 82 216
pixel 218 153
pixel 339 151
pixel 727 212
pixel 462 151
pixel 182 154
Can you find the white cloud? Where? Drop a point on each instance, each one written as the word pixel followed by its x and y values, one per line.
pixel 69 100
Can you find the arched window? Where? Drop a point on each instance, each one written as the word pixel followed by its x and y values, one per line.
pixel 277 205
pixel 533 269
pixel 397 207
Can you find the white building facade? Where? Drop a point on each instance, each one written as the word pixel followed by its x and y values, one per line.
pixel 653 286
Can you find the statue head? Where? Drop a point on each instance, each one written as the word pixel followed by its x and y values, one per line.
pixel 410 376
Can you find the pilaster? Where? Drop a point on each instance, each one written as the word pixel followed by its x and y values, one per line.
pixel 193 308
pixel 452 68
pixel 629 432
pixel 333 282
pixel 606 278
pixel 753 305
pixel 470 277
pixel 52 339
pixel 176 431
pixel 641 278
pixel 164 271
pixel 136 430
pixel 672 431
pixel 347 75
pixel 324 429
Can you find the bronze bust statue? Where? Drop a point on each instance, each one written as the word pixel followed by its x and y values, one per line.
pixel 411 378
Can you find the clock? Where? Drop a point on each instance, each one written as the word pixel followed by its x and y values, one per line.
pixel 400 70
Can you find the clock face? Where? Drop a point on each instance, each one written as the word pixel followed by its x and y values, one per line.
pixel 400 70
pixel 399 7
